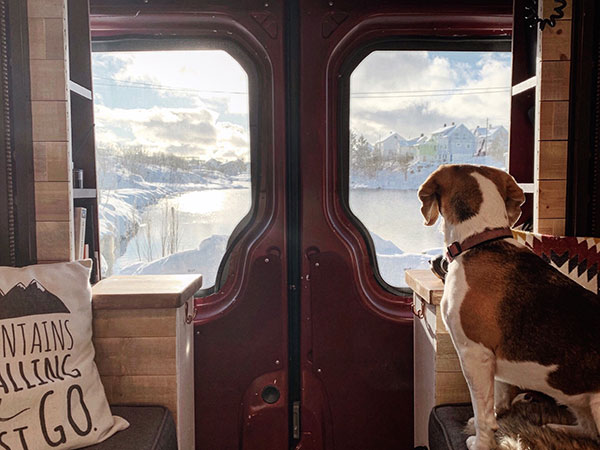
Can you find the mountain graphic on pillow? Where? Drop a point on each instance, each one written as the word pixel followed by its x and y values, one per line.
pixel 29 300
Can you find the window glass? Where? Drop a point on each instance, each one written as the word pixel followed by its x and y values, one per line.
pixel 411 111
pixel 173 158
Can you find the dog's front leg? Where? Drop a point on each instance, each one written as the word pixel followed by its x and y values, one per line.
pixel 478 365
pixel 504 394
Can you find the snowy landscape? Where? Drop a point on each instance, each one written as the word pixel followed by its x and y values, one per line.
pixel 173 150
pixel 135 182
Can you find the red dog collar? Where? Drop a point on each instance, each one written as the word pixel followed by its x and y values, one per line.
pixel 456 248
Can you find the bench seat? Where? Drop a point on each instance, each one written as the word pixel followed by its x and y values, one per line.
pixel 151 428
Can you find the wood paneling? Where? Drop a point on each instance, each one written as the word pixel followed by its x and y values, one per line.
pixel 50 121
pixel 555 80
pixel 548 9
pixel 145 291
pixel 553 160
pixel 55 43
pixel 552 194
pixel 134 323
pixel 438 376
pixel 136 356
pixel 556 42
pixel 52 201
pixel 48 79
pixel 426 285
pixel 554 120
pixel 46 8
pixel 451 387
pixel 53 240
pixel 555 227
pixel 51 162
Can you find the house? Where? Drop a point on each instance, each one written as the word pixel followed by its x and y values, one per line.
pixel 391 147
pixel 491 141
pixel 454 143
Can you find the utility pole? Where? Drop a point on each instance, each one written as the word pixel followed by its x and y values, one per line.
pixel 487 119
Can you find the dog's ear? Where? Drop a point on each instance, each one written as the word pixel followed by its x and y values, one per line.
pixel 428 194
pixel 514 198
pixel 510 190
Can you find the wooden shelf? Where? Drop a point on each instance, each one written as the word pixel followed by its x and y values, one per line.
pixel 523 86
pixel 84 193
pixel 80 90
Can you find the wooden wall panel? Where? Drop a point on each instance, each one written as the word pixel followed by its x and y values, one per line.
pixel 51 163
pixel 554 121
pixel 134 323
pixel 552 194
pixel 552 127
pixel 52 201
pixel 51 241
pixel 553 160
pixel 50 128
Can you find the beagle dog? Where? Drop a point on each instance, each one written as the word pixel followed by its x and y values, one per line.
pixel 514 320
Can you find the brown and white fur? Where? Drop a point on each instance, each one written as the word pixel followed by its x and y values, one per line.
pixel 513 319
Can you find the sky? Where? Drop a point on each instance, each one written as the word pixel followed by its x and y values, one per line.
pixel 195 103
pixel 190 103
pixel 414 92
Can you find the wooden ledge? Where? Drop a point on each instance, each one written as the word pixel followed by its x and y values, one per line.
pixel 427 286
pixel 144 291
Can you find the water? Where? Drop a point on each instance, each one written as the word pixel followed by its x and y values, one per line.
pixel 200 214
pixel 395 215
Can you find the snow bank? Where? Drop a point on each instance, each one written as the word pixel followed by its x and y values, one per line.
pixel 411 179
pixel 204 260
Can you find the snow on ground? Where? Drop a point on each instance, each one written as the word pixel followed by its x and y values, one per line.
pixel 411 178
pixel 121 206
pixel 123 197
pixel 205 260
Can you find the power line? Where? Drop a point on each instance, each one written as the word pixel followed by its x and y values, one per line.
pixel 357 95
pixel 412 91
pixel 142 85
pixel 432 95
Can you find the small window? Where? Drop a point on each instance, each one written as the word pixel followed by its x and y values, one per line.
pixel 173 159
pixel 436 100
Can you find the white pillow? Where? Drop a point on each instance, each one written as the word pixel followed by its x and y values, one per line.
pixel 51 396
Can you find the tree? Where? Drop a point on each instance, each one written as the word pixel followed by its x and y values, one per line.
pixel 360 154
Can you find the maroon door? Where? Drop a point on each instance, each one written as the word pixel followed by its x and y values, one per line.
pixel 356 336
pixel 300 346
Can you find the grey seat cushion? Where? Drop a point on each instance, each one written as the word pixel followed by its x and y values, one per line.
pixel 446 424
pixel 151 428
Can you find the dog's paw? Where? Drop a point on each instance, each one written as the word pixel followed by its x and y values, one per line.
pixel 470 426
pixel 479 444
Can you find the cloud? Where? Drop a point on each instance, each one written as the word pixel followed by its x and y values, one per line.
pixel 195 75
pixel 412 91
pixel 186 102
pixel 183 131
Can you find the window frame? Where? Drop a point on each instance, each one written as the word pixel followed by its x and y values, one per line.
pixel 142 43
pixel 354 59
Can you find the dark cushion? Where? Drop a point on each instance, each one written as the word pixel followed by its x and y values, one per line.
pixel 150 428
pixel 446 425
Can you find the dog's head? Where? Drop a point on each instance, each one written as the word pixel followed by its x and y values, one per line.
pixel 455 192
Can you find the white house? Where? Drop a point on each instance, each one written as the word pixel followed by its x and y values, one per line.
pixel 391 147
pixel 492 141
pixel 454 143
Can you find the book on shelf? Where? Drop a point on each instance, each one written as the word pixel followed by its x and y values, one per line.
pixel 79 231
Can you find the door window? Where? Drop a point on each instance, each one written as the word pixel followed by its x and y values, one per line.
pixel 173 158
pixel 411 111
